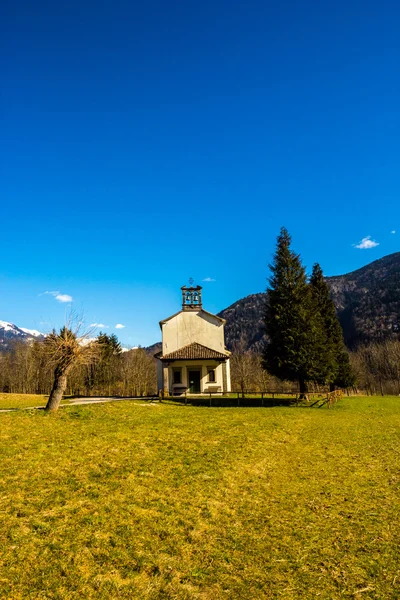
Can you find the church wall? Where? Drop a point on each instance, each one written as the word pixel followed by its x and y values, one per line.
pixel 191 326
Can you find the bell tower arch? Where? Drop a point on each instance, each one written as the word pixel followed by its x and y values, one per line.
pixel 191 296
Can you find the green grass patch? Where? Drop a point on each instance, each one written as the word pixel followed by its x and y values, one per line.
pixel 23 400
pixel 160 501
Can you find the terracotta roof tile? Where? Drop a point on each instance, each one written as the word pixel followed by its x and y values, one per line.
pixel 193 352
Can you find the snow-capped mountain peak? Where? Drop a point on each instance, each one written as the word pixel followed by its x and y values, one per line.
pixel 7 326
pixel 9 332
pixel 33 332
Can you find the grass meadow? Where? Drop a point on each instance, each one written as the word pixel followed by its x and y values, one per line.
pixel 159 501
pixel 23 401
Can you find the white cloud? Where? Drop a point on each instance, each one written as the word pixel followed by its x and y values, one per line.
pixel 366 243
pixel 64 298
pixel 208 279
pixel 58 296
pixel 98 325
pixel 119 326
pixel 394 231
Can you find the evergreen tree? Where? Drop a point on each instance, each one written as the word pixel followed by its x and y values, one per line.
pixel 295 350
pixel 107 370
pixel 338 370
pixel 345 376
pixel 114 344
pixel 109 344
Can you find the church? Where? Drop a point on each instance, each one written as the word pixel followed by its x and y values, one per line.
pixel 193 359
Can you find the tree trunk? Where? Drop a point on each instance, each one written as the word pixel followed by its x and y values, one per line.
pixel 57 391
pixel 303 389
pixel 331 387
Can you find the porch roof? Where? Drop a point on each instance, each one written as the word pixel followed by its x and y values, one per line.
pixel 194 351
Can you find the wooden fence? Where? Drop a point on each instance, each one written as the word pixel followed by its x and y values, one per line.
pixel 265 398
pixel 333 397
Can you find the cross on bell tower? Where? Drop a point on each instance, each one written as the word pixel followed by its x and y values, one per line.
pixel 191 296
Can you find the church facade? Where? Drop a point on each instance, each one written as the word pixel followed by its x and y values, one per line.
pixel 193 359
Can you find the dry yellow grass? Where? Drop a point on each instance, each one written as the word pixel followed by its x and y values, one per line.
pixel 23 400
pixel 136 501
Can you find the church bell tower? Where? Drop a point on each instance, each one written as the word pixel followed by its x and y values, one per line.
pixel 191 297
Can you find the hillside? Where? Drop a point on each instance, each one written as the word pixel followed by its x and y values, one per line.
pixel 368 300
pixel 244 323
pixel 367 303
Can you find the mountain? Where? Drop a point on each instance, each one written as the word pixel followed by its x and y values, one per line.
pixel 33 332
pixel 368 300
pixel 367 303
pixel 154 348
pixel 244 323
pixel 10 332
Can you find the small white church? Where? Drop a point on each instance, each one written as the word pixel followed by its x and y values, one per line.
pixel 193 359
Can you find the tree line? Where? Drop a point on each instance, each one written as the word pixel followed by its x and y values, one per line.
pixel 25 368
pixel 377 367
pixel 98 367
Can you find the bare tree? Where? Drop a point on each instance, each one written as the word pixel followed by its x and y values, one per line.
pixel 377 367
pixel 392 363
pixel 246 369
pixel 139 373
pixel 66 350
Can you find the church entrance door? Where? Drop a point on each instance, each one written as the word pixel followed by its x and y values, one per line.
pixel 194 381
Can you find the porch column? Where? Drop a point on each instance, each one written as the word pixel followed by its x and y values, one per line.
pixel 224 379
pixel 185 378
pixel 166 379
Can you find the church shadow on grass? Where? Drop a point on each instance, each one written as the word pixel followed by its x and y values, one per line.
pixel 248 402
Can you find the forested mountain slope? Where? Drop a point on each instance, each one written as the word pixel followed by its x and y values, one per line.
pixel 367 302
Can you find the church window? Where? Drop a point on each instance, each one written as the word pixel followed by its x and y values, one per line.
pixel 177 376
pixel 211 375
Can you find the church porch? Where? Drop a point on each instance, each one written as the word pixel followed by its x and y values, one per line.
pixel 182 377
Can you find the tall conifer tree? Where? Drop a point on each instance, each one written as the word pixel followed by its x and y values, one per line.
pixel 295 350
pixel 338 369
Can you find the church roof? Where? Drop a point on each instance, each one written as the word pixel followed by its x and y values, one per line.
pixel 194 351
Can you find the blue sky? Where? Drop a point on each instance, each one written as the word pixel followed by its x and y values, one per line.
pixel 146 143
